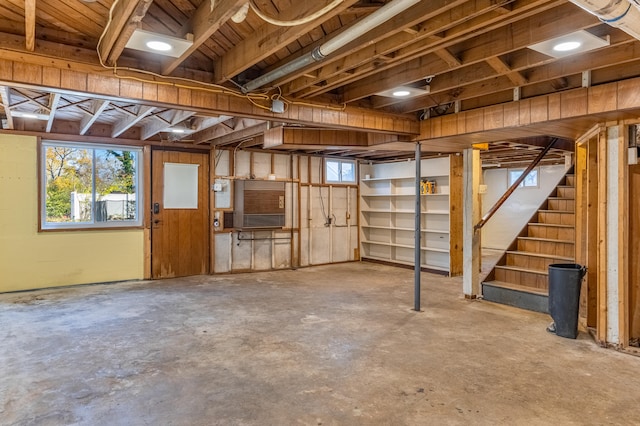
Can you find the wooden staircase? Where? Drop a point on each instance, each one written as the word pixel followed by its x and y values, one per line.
pixel 520 278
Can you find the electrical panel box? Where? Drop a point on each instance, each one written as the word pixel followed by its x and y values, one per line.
pixel 259 204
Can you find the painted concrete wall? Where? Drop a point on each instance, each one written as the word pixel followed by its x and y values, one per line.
pixel 516 212
pixel 30 259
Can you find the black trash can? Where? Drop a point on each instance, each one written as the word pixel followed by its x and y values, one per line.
pixel 565 280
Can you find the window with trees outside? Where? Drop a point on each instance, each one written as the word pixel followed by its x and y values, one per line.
pixel 340 171
pixel 530 181
pixel 90 186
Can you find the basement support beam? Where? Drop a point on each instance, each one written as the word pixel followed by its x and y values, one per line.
pixel 471 216
pixel 417 233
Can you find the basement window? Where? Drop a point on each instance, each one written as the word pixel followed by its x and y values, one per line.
pixel 89 186
pixel 531 181
pixel 339 171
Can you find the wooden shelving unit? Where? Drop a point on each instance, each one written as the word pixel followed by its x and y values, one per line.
pixel 387 213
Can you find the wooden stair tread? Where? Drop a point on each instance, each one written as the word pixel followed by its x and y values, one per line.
pixel 546 239
pixel 565 186
pixel 521 269
pixel 561 198
pixel 517 287
pixel 555 225
pixel 556 211
pixel 532 254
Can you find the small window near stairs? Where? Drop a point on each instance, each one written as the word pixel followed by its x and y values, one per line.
pixel 531 181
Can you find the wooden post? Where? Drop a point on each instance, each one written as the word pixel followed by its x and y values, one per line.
pixel 471 216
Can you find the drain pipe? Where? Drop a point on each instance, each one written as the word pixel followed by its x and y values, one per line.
pixel 318 54
pixel 623 14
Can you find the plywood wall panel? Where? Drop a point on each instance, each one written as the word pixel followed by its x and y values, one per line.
pixel 602 98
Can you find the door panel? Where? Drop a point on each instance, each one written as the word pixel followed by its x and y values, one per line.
pixel 179 236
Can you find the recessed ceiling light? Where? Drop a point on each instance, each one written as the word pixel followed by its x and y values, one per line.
pixel 401 93
pixel 178 130
pixel 567 46
pixel 160 46
pixel 570 44
pixel 29 116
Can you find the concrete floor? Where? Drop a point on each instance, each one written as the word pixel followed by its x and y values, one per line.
pixel 317 346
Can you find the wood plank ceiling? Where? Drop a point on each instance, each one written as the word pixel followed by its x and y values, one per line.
pixel 459 54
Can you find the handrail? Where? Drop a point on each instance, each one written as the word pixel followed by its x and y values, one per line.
pixel 513 187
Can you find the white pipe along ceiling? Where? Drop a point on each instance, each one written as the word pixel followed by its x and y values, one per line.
pixel 623 14
pixel 363 26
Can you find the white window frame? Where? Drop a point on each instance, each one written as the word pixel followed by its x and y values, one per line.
pixel 341 161
pixel 44 225
pixel 523 184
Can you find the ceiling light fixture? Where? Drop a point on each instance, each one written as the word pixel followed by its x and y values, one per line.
pixel 177 130
pixel 148 41
pixel 567 46
pixel 160 46
pixel 403 92
pixel 570 44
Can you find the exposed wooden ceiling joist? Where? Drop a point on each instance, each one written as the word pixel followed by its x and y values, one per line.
pixel 54 100
pixel 126 16
pixel 97 107
pixel 207 19
pixel 129 122
pixel 5 97
pixel 267 40
pixel 30 24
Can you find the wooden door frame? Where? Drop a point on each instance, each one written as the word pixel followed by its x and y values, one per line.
pixel 148 158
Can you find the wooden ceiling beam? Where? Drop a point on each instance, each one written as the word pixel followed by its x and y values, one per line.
pixel 568 114
pixel 460 23
pixel 502 68
pixel 203 24
pixel 383 40
pixel 124 125
pixel 78 79
pixel 97 107
pixel 5 97
pixel 126 16
pixel 240 135
pixel 476 81
pixel 157 126
pixel 99 133
pixel 267 40
pixel 30 24
pixel 499 41
pixel 448 58
pixel 54 100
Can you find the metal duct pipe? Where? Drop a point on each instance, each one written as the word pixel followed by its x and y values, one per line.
pixel 617 13
pixel 318 54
